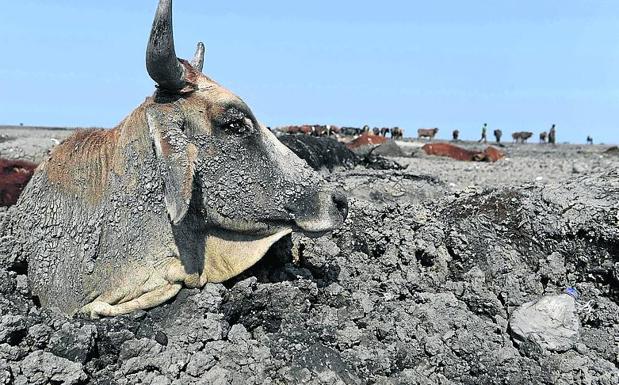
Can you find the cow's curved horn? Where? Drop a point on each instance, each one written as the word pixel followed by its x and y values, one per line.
pixel 198 58
pixel 161 61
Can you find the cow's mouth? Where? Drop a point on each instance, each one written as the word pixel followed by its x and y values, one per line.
pixel 229 253
pixel 311 227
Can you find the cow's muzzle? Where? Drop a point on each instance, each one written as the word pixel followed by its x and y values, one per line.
pixel 320 212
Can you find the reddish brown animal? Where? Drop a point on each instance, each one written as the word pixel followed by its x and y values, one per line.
pixel 14 176
pixel 304 129
pixel 429 133
pixel 490 154
pixel 366 139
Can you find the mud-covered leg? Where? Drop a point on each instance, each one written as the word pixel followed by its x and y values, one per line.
pixel 97 309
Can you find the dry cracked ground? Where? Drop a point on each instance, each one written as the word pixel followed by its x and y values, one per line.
pixel 417 287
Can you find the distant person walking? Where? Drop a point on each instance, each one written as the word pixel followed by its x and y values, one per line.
pixel 455 134
pixel 552 135
pixel 483 133
pixel 497 135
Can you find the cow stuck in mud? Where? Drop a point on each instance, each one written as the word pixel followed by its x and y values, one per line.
pixel 188 189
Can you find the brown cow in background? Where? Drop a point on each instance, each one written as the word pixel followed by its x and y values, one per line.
pixel 521 136
pixel 429 133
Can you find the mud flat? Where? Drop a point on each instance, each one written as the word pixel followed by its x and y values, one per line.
pixel 417 288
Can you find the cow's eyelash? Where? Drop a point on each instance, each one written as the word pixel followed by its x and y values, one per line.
pixel 233 114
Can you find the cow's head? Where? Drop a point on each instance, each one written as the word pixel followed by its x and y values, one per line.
pixel 250 187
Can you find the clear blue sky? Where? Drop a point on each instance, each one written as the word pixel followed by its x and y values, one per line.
pixel 515 64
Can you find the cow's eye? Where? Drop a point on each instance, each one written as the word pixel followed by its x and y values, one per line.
pixel 236 122
pixel 240 126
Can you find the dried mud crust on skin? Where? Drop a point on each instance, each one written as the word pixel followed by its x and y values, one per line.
pixel 406 292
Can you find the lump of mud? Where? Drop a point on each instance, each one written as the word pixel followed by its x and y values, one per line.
pixel 551 322
pixel 614 150
pixel 389 148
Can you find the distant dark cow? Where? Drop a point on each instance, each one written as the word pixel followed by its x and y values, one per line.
pixel 14 175
pixel 497 134
pixel 589 139
pixel 350 131
pixel 455 135
pixel 384 131
pixel 426 133
pixel 521 136
pixel 397 133
pixel 542 137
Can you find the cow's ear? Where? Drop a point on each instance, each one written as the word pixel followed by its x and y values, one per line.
pixel 176 157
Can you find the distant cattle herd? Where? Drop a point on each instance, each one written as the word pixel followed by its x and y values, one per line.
pixel 422 133
pixel 332 130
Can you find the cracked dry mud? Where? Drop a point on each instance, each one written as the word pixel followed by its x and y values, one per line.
pixel 416 288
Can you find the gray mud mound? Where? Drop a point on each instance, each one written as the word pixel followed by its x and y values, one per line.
pixel 388 187
pixel 320 153
pixel 614 150
pixel 389 148
pixel 407 292
pixel 327 153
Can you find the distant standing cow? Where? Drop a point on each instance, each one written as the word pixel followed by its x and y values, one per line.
pixel 497 134
pixel 521 136
pixel 429 133
pixel 543 136
pixel 397 133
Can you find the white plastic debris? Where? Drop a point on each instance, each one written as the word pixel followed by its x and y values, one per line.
pixel 551 321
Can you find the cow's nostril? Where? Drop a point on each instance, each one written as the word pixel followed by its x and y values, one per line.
pixel 341 203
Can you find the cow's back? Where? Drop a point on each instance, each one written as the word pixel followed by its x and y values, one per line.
pixel 58 218
pixel 88 215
